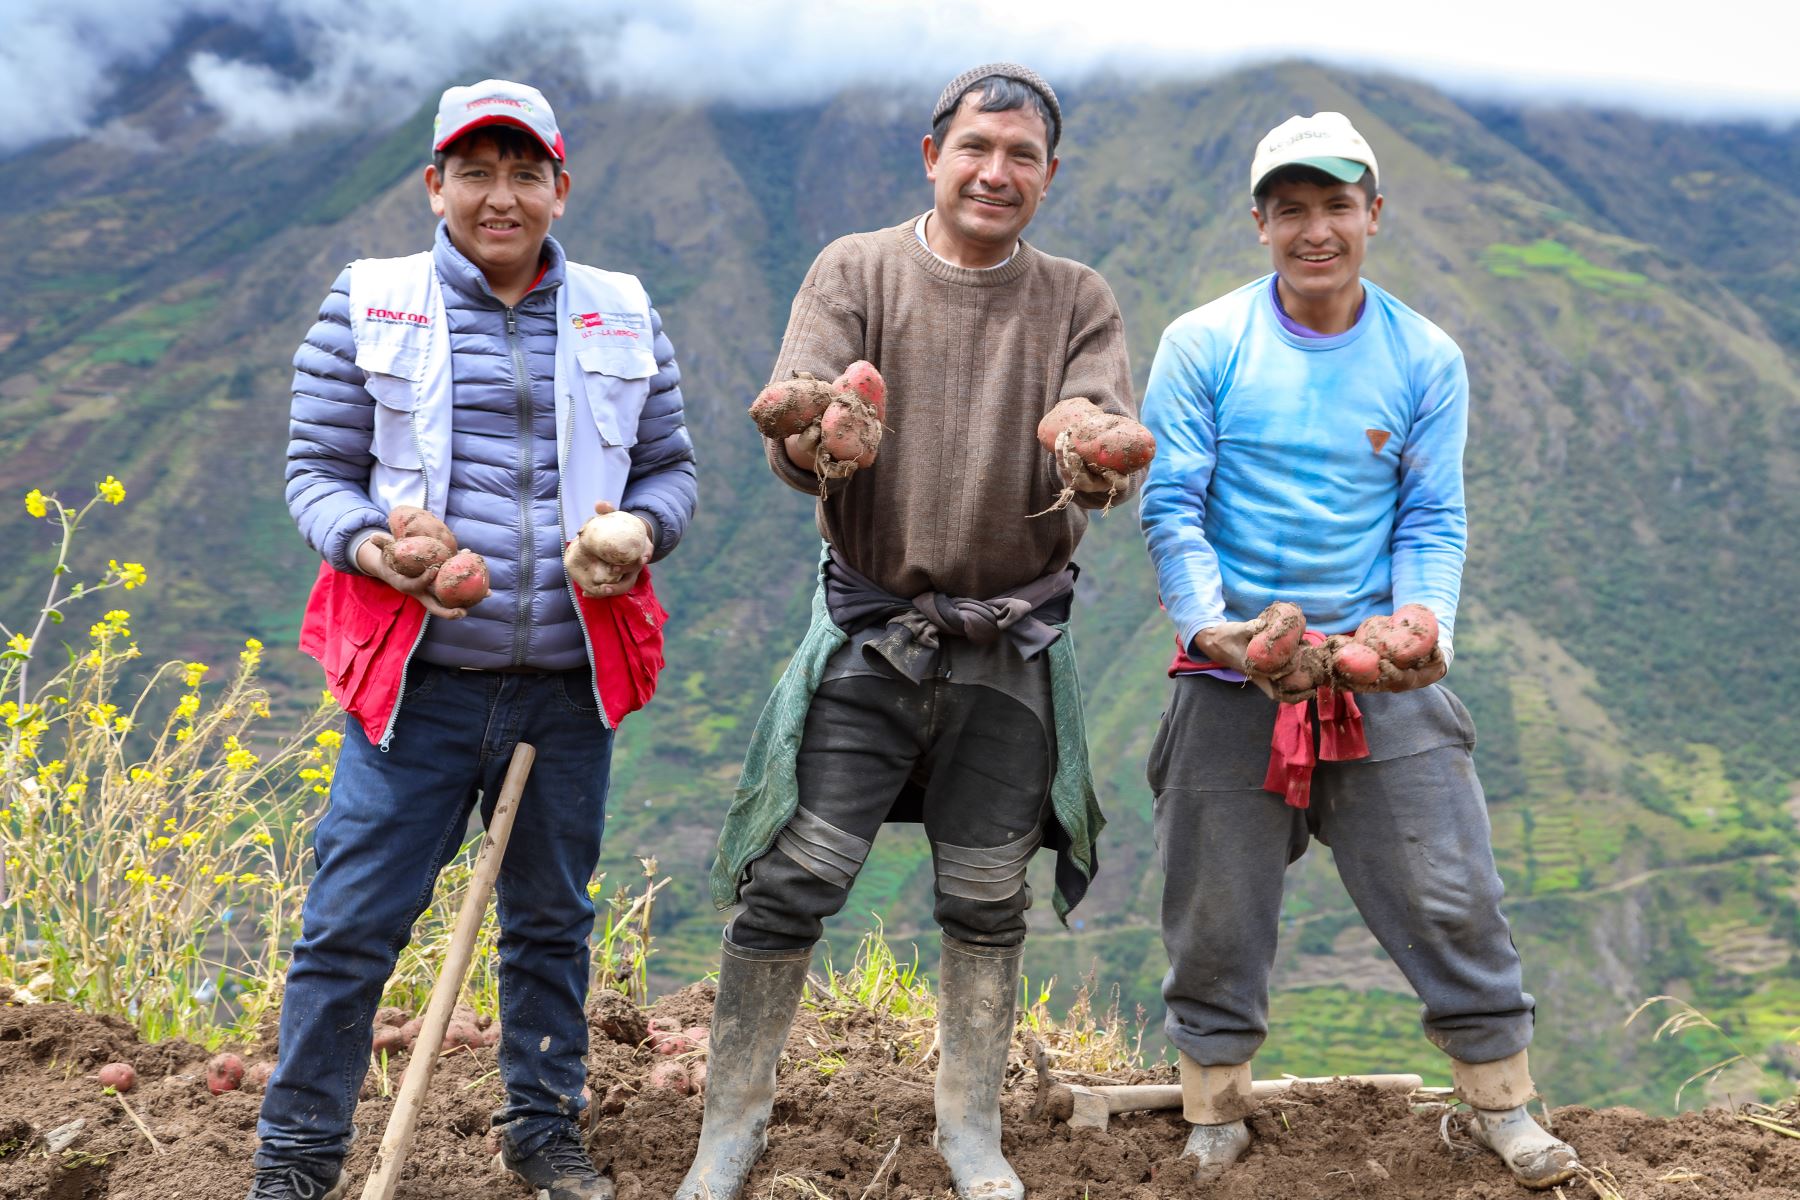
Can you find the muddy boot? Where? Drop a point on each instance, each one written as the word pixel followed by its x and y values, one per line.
pixel 977 986
pixel 1496 1093
pixel 297 1183
pixel 759 990
pixel 1215 1100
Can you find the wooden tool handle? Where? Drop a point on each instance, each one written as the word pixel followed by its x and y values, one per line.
pixel 411 1101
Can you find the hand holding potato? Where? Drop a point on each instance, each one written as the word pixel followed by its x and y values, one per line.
pixel 373 558
pixel 609 552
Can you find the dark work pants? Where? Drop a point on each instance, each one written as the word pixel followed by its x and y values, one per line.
pixel 1408 829
pixel 984 764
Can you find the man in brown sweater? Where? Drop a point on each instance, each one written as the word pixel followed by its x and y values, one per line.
pixel 936 682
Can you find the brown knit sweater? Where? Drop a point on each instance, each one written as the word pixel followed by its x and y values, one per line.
pixel 972 360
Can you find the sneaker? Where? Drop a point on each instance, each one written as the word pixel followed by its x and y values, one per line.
pixel 296 1183
pixel 560 1169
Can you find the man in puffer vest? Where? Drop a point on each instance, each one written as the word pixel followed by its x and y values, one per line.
pixel 513 394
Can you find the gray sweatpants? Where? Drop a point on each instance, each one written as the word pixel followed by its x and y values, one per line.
pixel 1408 828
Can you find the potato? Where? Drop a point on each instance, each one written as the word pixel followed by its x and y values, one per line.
pixel 463 581
pixel 850 433
pixel 862 379
pixel 1065 415
pixel 407 521
pixel 673 1076
pixel 784 409
pixel 697 1076
pixel 256 1077
pixel 1115 443
pixel 1279 631
pixel 119 1076
pixel 389 1015
pixel 387 1039
pixel 1410 637
pixel 1356 665
pixel 224 1072
pixel 414 556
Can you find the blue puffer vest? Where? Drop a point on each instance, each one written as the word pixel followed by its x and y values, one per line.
pixel 502 498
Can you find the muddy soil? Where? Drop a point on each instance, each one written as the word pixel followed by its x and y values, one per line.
pixel 853 1120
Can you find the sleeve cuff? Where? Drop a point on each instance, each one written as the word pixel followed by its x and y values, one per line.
pixel 355 545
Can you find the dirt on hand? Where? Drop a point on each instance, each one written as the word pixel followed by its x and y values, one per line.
pixel 853 1117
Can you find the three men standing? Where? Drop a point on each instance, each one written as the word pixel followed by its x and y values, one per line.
pixel 1310 432
pixel 937 680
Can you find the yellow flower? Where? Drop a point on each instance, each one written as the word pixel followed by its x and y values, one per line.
pixel 330 738
pixel 222 878
pixel 116 618
pixel 236 757
pixel 92 658
pixel 101 714
pixel 78 789
pixel 35 503
pixel 263 837
pixel 162 843
pixel 19 642
pixel 187 706
pixel 189 838
pixel 260 708
pixel 248 877
pixel 193 673
pixel 112 491
pixel 251 653
pixel 184 733
pixel 131 575
pixel 122 724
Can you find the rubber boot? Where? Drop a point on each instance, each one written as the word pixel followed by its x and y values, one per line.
pixel 1216 1100
pixel 977 988
pixel 759 991
pixel 1496 1093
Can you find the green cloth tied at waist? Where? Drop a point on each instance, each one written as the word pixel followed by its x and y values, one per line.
pixel 768 791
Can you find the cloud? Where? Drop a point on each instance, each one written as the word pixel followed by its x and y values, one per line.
pixel 59 64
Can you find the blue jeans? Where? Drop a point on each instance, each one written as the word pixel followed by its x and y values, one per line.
pixel 394 821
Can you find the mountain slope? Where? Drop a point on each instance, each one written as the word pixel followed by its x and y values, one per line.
pixel 1632 483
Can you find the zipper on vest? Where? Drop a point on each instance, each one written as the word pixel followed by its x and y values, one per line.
pixel 527 580
pixel 587 639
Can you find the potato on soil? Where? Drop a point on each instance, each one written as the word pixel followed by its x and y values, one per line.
pixel 671 1075
pixel 409 1032
pixel 389 1015
pixel 1280 629
pixel 119 1076
pixel 460 1035
pixel 407 521
pixel 697 1075
pixel 1065 415
pixel 256 1077
pixel 862 379
pixel 786 408
pixel 414 556
pixel 224 1072
pixel 666 1041
pixel 1114 442
pixel 387 1039
pixel 463 581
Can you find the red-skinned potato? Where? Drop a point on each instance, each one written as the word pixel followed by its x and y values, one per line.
pixel 408 521
pixel 224 1072
pixel 256 1077
pixel 784 409
pixel 1281 626
pixel 119 1076
pixel 460 1035
pixel 1356 664
pixel 1410 637
pixel 387 1039
pixel 671 1075
pixel 409 1032
pixel 1114 442
pixel 1065 415
pixel 862 379
pixel 463 581
pixel 849 433
pixel 666 1042
pixel 697 1076
pixel 413 556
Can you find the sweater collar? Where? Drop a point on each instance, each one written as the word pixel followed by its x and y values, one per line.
pixel 465 279
pixel 1010 271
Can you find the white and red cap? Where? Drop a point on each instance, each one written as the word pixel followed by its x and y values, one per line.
pixel 1325 141
pixel 496 102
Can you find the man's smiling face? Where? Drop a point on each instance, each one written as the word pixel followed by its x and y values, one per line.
pixel 498 209
pixel 1317 235
pixel 990 173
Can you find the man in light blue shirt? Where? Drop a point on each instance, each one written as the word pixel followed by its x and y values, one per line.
pixel 1310 432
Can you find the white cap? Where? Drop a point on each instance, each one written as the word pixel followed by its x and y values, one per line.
pixel 1324 141
pixel 496 102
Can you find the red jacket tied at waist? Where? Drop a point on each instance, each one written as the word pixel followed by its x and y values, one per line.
pixel 364 632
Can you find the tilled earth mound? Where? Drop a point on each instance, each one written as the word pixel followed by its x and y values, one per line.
pixel 853 1120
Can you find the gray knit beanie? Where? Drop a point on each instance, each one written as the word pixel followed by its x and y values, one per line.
pixel 1025 75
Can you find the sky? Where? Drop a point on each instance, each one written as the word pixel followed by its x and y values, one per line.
pixel 60 59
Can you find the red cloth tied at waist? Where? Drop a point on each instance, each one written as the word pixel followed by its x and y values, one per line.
pixel 1291 756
